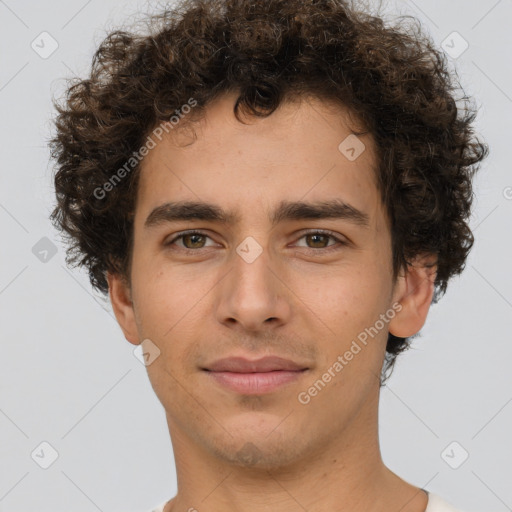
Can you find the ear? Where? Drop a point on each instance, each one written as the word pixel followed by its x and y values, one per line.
pixel 120 297
pixel 414 290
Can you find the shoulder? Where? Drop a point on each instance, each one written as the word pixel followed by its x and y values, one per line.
pixel 438 504
pixel 159 508
pixel 435 504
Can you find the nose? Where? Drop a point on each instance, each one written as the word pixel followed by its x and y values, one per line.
pixel 253 296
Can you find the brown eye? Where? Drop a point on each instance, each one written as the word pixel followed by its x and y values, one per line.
pixel 319 240
pixel 192 240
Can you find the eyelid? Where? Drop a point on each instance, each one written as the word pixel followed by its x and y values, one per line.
pixel 181 234
pixel 341 241
pixel 325 232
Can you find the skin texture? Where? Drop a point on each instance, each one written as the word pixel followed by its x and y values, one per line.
pixel 296 300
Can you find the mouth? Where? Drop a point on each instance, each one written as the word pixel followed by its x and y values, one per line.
pixel 254 377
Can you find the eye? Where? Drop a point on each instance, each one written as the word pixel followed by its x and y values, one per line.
pixel 191 240
pixel 320 238
pixel 196 240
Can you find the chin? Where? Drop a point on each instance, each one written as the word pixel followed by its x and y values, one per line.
pixel 260 456
pixel 262 449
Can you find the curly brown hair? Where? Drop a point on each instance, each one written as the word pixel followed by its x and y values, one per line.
pixel 391 76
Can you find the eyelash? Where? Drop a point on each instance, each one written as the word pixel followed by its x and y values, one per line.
pixel 327 249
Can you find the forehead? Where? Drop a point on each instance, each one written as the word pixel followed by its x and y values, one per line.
pixel 299 152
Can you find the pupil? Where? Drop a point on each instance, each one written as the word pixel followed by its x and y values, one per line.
pixel 316 237
pixel 193 237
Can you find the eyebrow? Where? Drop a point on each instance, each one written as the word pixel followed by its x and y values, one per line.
pixel 285 211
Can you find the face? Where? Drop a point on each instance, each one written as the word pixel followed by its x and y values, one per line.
pixel 266 278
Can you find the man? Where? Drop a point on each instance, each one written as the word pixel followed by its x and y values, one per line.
pixel 271 193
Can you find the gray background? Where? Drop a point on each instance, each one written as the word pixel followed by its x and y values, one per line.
pixel 68 377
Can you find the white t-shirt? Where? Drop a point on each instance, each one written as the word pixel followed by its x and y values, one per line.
pixel 435 504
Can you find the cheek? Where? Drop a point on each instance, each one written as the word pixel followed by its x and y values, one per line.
pixel 170 303
pixel 344 300
pixel 346 307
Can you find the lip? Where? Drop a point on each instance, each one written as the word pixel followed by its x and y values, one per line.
pixel 255 383
pixel 243 365
pixel 254 377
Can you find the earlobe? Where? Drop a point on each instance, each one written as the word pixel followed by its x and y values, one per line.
pixel 120 298
pixel 414 291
